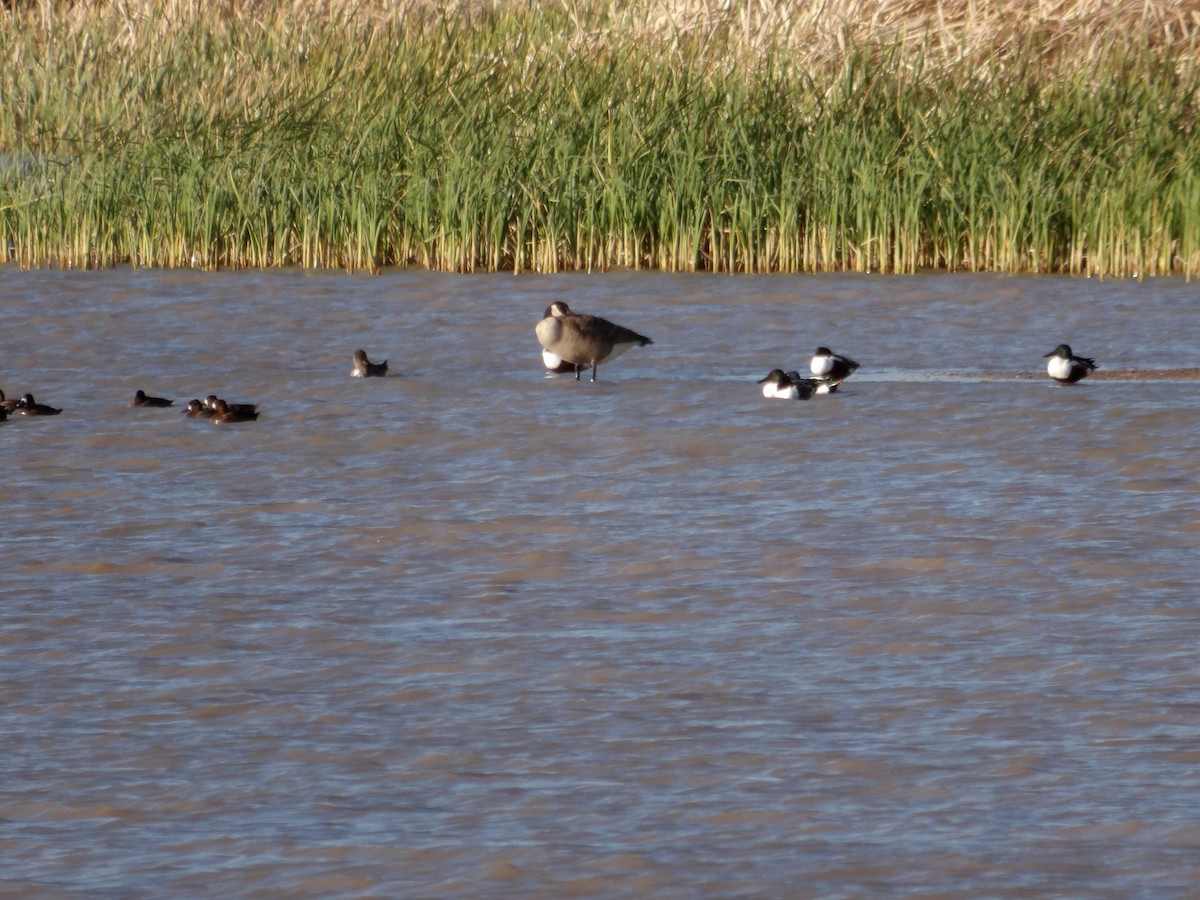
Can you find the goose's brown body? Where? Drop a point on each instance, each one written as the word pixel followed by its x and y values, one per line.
pixel 584 340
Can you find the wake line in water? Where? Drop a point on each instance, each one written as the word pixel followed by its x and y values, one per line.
pixel 942 376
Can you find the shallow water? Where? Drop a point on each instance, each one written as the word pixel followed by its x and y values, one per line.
pixel 472 631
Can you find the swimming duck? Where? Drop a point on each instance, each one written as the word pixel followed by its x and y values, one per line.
pixel 780 385
pixel 27 406
pixel 1067 368
pixel 584 340
pixel 141 398
pixel 197 410
pixel 820 385
pixel 224 413
pixel 211 401
pixel 364 368
pixel 831 368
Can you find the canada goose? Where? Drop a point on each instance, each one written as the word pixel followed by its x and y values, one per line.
pixel 555 365
pixel 584 340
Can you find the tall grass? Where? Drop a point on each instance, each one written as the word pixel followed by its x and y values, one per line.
pixel 546 136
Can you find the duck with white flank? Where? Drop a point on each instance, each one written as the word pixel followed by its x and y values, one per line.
pixel 584 340
pixel 831 368
pixel 1067 368
pixel 780 385
pixel 364 368
pixel 27 406
pixel 820 385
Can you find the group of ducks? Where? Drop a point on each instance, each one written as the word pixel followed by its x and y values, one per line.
pixel 573 342
pixel 24 406
pixel 828 369
pixel 212 407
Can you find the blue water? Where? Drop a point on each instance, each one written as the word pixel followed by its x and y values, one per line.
pixel 472 631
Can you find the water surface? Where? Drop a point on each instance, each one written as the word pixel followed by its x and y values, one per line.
pixel 472 631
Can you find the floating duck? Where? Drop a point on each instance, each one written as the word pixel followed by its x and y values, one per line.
pixel 1067 368
pixel 364 368
pixel 141 398
pixel 831 368
pixel 780 385
pixel 27 406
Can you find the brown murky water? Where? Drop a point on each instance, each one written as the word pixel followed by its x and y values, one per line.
pixel 471 631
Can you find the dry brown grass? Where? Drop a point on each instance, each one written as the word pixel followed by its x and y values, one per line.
pixel 937 33
pixel 1078 32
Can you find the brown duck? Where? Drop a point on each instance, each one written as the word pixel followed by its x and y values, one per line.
pixel 364 368
pixel 141 398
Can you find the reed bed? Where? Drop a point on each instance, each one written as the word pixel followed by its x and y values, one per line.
pixel 737 136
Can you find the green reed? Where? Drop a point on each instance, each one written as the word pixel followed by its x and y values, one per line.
pixel 518 142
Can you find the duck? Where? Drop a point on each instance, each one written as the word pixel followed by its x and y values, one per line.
pixel 195 409
pixel 141 398
pixel 27 406
pixel 1067 368
pixel 364 368
pixel 224 413
pixel 781 385
pixel 211 401
pixel 831 368
pixel 8 405
pixel 820 385
pixel 584 340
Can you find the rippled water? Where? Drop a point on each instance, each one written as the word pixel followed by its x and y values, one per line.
pixel 472 631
